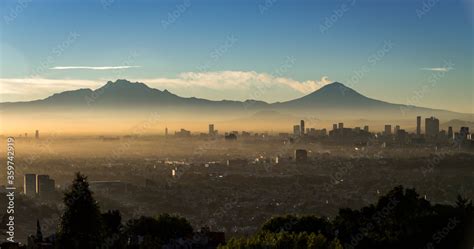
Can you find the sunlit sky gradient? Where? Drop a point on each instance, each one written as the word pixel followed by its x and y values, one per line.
pixel 273 50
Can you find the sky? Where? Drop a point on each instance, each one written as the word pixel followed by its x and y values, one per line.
pixel 408 52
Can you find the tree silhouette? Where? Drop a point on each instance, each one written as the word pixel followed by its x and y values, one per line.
pixel 81 226
pixel 112 220
pixel 283 240
pixel 159 231
pixel 39 234
pixel 289 223
pixel 400 219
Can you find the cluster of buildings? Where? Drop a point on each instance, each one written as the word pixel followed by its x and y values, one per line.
pixel 433 132
pixel 25 135
pixel 341 133
pixel 182 133
pixel 358 135
pixel 390 134
pixel 38 185
pixel 301 130
pixel 212 132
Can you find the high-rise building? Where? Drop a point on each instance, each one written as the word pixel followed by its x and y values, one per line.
pixel 211 129
pixel 366 128
pixel 302 127
pixel 301 155
pixel 44 186
pixel 462 136
pixel 431 127
pixel 166 131
pixel 37 134
pixel 182 133
pixel 388 130
pixel 450 132
pixel 418 125
pixel 341 126
pixel 334 127
pixel 296 130
pixel 29 185
pixel 396 129
pixel 230 137
pixel 401 135
pixel 464 133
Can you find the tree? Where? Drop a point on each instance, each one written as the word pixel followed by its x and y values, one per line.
pixel 399 219
pixel 81 225
pixel 316 241
pixel 289 223
pixel 113 236
pixel 39 234
pixel 112 221
pixel 158 231
pixel 463 203
pixel 282 240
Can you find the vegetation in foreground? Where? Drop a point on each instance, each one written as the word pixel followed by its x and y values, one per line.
pixel 400 219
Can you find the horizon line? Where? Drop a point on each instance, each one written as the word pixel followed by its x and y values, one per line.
pixel 243 101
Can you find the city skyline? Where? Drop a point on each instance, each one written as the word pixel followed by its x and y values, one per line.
pixel 431 128
pixel 312 45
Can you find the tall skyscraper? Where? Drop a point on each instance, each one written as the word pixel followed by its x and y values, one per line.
pixel 450 132
pixel 37 134
pixel 211 129
pixel 341 125
pixel 44 186
pixel 296 130
pixel 396 129
pixel 418 125
pixel 334 127
pixel 366 128
pixel 302 127
pixel 464 133
pixel 431 127
pixel 388 130
pixel 29 185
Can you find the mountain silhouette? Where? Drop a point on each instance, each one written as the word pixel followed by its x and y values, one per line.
pixel 334 99
pixel 118 93
pixel 333 95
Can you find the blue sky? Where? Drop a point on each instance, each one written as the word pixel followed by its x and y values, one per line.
pixel 409 52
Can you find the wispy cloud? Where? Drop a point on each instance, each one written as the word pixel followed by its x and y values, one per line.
pixel 437 69
pixel 237 85
pixel 229 80
pixel 93 68
pixel 22 89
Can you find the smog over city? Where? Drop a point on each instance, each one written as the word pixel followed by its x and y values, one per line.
pixel 236 124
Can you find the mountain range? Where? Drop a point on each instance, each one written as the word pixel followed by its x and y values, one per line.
pixel 334 100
